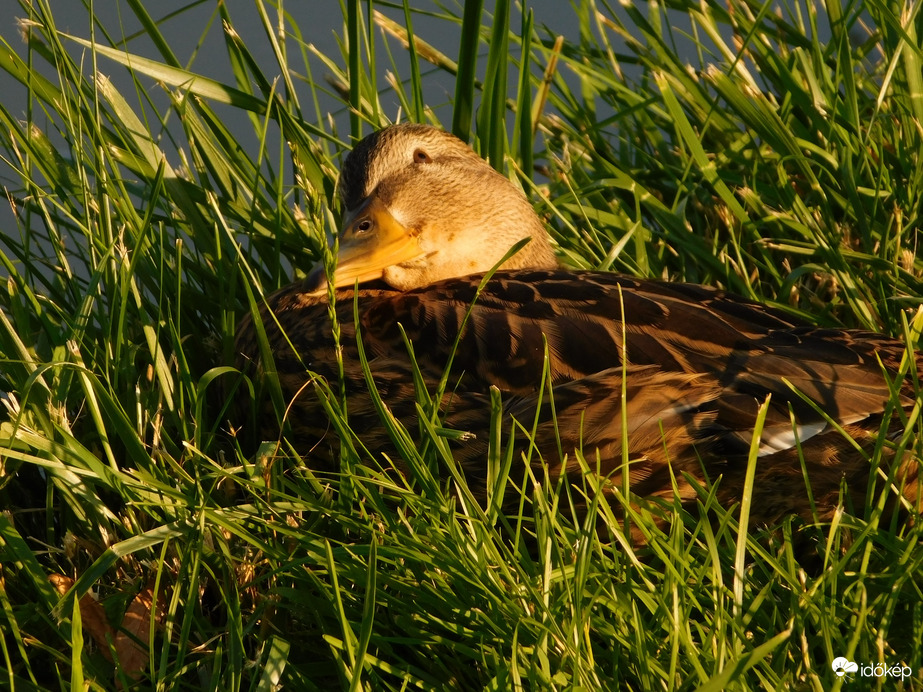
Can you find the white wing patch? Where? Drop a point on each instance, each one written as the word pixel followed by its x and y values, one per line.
pixel 780 441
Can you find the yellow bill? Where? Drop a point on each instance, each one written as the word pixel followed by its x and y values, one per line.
pixel 371 241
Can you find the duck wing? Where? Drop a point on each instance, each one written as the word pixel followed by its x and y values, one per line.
pixel 583 317
pixel 589 320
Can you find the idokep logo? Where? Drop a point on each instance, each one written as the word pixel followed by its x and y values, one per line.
pixel 843 667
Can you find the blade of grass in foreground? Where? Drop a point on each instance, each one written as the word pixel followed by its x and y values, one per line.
pixel 492 112
pixel 470 39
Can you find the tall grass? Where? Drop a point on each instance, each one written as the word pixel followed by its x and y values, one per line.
pixel 770 149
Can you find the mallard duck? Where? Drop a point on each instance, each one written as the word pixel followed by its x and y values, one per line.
pixel 425 218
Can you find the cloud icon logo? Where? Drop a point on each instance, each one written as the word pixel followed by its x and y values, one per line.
pixel 842 665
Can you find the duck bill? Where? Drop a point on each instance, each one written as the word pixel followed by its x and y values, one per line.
pixel 371 241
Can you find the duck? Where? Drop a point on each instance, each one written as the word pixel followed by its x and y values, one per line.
pixel 446 279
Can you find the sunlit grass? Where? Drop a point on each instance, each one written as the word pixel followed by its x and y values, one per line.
pixel 782 164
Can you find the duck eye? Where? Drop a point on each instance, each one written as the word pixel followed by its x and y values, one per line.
pixel 420 156
pixel 364 226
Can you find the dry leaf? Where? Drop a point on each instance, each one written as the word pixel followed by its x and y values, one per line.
pixel 132 642
pixel 92 614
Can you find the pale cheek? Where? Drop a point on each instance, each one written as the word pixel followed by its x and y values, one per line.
pixel 403 279
pixel 399 215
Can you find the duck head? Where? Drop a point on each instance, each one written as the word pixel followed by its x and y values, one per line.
pixel 421 206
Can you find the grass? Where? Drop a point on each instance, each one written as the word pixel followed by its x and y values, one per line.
pixel 782 162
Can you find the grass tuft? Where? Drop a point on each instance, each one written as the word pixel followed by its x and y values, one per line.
pixel 773 150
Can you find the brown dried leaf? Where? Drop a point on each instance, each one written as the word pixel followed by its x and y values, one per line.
pixel 92 614
pixel 61 583
pixel 132 642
